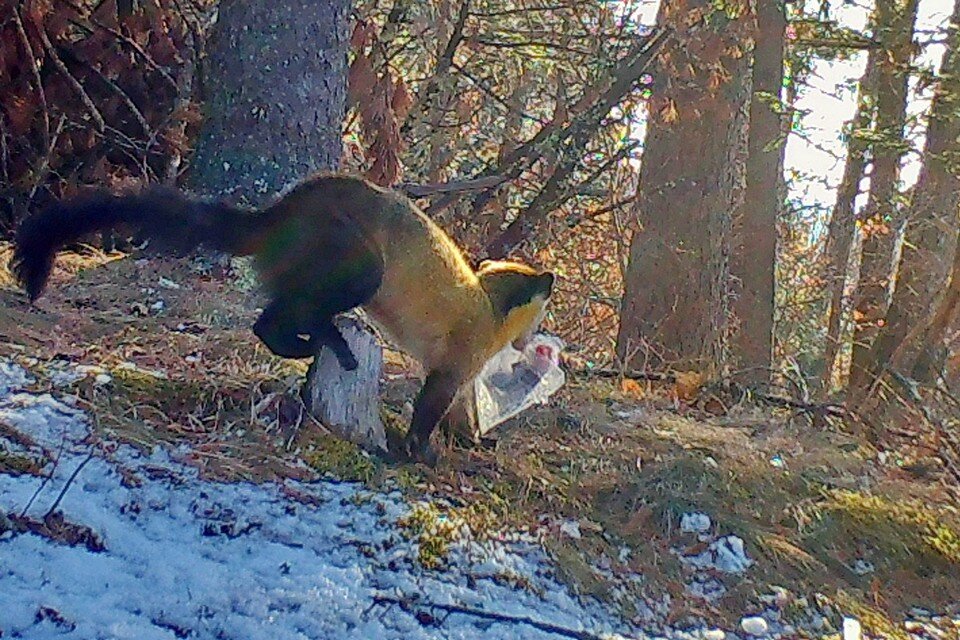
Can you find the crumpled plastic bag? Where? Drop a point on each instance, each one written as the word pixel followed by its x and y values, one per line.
pixel 513 380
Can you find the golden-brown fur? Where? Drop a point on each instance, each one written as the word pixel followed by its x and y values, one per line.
pixel 330 244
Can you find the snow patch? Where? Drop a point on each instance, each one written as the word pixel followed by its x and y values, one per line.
pixel 12 377
pixel 695 522
pixel 186 557
pixel 726 554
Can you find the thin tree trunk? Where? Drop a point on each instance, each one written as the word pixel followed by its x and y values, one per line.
pixel 931 340
pixel 931 233
pixel 676 301
pixel 754 259
pixel 840 234
pixel 882 219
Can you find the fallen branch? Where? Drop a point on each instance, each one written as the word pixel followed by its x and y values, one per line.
pixel 412 604
pixel 814 408
pixel 950 455
pixel 653 376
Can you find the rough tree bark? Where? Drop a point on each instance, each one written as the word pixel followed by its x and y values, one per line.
pixel 755 230
pixel 931 339
pixel 676 300
pixel 275 109
pixel 842 229
pixel 881 221
pixel 274 115
pixel 931 232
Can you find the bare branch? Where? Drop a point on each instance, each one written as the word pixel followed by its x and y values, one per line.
pixel 34 70
pixel 460 186
pixel 73 82
pixel 514 163
pixel 412 604
pixel 444 62
pixel 151 63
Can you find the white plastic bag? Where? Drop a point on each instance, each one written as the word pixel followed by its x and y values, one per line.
pixel 514 380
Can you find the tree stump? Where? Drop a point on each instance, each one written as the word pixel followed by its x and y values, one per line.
pixel 348 402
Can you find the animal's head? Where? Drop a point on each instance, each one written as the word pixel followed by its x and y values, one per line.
pixel 519 295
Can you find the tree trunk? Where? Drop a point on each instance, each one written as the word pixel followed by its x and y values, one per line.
pixel 840 234
pixel 274 116
pixel 931 232
pixel 675 308
pixel 931 339
pixel 754 259
pixel 881 221
pixel 275 110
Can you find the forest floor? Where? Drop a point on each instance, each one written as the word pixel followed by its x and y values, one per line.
pixel 680 508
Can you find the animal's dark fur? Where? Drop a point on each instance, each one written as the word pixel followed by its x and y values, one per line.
pixel 165 216
pixel 331 244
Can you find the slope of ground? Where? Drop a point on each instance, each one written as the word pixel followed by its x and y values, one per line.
pixel 679 510
pixel 140 547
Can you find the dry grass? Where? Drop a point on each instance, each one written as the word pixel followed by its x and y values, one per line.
pixel 68 265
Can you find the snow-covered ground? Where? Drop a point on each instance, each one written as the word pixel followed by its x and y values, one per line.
pixel 188 558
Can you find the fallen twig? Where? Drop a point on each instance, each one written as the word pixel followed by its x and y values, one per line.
pixel 66 486
pixel 411 604
pixel 48 477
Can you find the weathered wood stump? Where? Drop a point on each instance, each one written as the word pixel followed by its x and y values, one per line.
pixel 348 402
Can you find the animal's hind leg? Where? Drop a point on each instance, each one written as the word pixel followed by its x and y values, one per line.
pixel 352 275
pixel 280 334
pixel 327 334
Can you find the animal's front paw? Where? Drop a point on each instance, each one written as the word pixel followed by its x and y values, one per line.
pixel 412 450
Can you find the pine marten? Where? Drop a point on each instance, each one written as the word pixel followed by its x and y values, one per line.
pixel 332 243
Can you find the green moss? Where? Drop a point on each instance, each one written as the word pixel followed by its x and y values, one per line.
pixel 341 459
pixel 139 381
pixel 244 274
pixel 436 528
pixel 900 532
pixel 408 478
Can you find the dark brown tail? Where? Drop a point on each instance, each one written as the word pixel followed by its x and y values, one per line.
pixel 165 217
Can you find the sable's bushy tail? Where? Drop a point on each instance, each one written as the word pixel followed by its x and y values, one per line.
pixel 166 217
